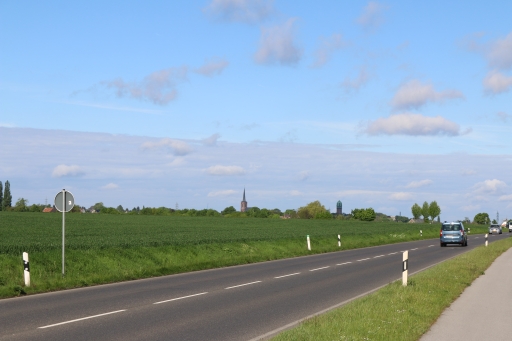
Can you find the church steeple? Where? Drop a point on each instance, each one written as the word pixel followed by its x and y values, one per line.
pixel 243 204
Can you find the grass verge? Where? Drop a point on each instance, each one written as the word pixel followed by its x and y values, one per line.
pixel 401 313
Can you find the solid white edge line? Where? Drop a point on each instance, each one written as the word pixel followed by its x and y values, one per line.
pixel 81 319
pixel 180 298
pixel 325 267
pixel 241 285
pixel 344 263
pixel 360 260
pixel 297 273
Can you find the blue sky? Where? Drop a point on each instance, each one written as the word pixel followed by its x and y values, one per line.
pixel 379 104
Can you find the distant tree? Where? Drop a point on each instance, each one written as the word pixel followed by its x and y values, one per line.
pixel 364 214
pixel 311 210
pixel 323 215
pixel 466 220
pixel 1 194
pixel 98 206
pixel 416 211
pixel 21 205
pixel 434 210
pixel 291 213
pixel 7 200
pixel 228 210
pixel 482 218
pixel 425 211
pixel 120 208
pixel 401 219
pixel 494 221
pixel 276 211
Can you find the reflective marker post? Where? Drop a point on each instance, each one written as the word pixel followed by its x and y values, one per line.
pixel 26 269
pixel 405 267
pixel 339 240
pixel 309 244
pixel 486 242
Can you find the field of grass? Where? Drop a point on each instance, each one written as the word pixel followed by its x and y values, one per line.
pixel 108 248
pixel 387 314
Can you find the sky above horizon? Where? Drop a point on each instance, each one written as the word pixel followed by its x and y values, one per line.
pixel 377 104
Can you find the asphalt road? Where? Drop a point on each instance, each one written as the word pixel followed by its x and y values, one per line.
pixel 237 303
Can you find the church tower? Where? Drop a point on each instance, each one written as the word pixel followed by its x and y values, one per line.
pixel 339 207
pixel 243 204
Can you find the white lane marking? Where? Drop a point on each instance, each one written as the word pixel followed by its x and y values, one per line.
pixel 360 260
pixel 392 253
pixel 297 273
pixel 378 256
pixel 414 249
pixel 81 319
pixel 345 263
pixel 180 298
pixel 325 267
pixel 430 245
pixel 476 237
pixel 241 285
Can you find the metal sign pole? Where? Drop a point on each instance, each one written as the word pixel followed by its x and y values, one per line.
pixel 63 226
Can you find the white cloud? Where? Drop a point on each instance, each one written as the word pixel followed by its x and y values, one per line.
pixel 500 53
pixel 412 124
pixel 504 117
pixel 225 170
pixel 469 208
pixel 354 84
pixel 327 47
pixel 223 193
pixel 415 94
pixel 277 45
pixel 110 186
pixel 401 196
pixel 65 170
pixel 211 141
pixel 496 82
pixel 492 187
pixel 417 184
pixel 507 197
pixel 296 193
pixel 158 87
pixel 304 175
pixel 372 16
pixel 178 147
pixel 213 67
pixel 245 11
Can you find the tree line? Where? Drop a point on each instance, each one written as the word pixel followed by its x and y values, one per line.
pixel 427 210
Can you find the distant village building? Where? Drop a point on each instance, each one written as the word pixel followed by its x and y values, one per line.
pixel 339 208
pixel 49 209
pixel 243 204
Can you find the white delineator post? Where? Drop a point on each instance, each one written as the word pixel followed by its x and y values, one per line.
pixel 421 233
pixel 309 244
pixel 469 230
pixel 486 242
pixel 339 240
pixel 405 267
pixel 26 269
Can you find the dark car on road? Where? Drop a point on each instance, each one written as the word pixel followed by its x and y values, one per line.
pixel 453 233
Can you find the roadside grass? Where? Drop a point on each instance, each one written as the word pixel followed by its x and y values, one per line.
pixel 401 313
pixel 111 248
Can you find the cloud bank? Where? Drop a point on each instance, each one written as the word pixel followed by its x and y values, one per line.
pixel 412 124
pixel 213 67
pixel 327 47
pixel 177 147
pixel 225 170
pixel 496 82
pixel 415 94
pixel 65 170
pixel 372 16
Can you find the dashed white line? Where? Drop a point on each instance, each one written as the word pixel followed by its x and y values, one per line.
pixel 414 249
pixel 392 253
pixel 344 263
pixel 431 245
pixel 180 298
pixel 241 285
pixel 360 260
pixel 378 256
pixel 81 319
pixel 297 273
pixel 325 267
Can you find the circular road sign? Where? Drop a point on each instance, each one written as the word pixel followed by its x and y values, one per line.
pixel 69 201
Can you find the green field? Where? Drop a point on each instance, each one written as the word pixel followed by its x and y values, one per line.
pixel 107 248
